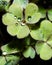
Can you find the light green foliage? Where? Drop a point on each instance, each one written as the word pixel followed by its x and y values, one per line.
pixel 23 31
pixel 50 14
pixel 44 32
pixel 9 19
pixel 31 14
pixel 46 27
pixel 21 20
pixel 30 52
pixel 44 35
pixel 22 3
pixel 46 52
pixel 36 34
pixel 38 47
pixel 14 19
pixel 16 10
pixel 20 30
pixel 11 29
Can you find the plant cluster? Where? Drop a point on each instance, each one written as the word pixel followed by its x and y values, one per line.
pixel 31 27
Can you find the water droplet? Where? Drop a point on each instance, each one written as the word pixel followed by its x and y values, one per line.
pixel 4 53
pixel 19 19
pixel 29 18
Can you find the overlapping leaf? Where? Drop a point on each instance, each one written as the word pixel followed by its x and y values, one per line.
pixel 14 19
pixel 43 32
pixel 44 45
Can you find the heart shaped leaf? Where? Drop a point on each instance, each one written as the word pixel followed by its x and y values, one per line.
pixel 9 19
pixel 12 29
pixel 23 31
pixel 36 34
pixel 46 30
pixel 38 47
pixel 30 52
pixel 16 10
pixel 46 52
pixel 33 18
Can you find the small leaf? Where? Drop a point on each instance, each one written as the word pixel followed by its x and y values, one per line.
pixel 12 29
pixel 32 54
pixel 6 49
pixel 46 52
pixel 50 14
pixel 23 31
pixel 27 52
pixel 9 19
pixel 36 34
pixel 34 18
pixel 16 10
pixel 46 29
pixel 30 10
pixel 38 47
pixel 22 3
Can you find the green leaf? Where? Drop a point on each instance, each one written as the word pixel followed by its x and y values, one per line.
pixel 9 19
pixel 7 50
pixel 2 60
pixel 27 52
pixel 30 52
pixel 33 19
pixel 22 3
pixel 43 12
pixel 50 14
pixel 18 30
pixel 38 47
pixel 46 27
pixel 36 34
pixel 30 10
pixel 16 10
pixel 23 31
pixel 12 29
pixel 46 52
